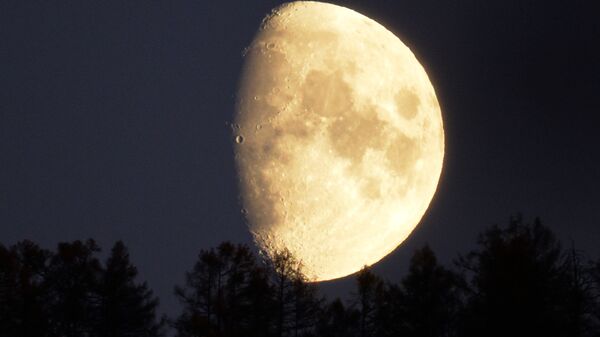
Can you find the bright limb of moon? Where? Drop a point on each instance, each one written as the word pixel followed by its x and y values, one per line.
pixel 339 141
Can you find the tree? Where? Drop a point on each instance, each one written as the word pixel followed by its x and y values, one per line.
pixel 284 271
pixel 593 271
pixel 295 299
pixel 198 298
pixel 431 297
pixel 218 297
pixel 517 283
pixel 23 312
pixel 307 307
pixel 390 318
pixel 69 293
pixel 368 299
pixel 71 281
pixel 124 308
pixel 338 321
pixel 238 273
pixel 259 312
pixel 578 293
pixel 229 294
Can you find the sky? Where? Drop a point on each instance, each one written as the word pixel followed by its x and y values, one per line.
pixel 113 123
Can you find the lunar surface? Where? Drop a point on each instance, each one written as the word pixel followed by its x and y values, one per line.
pixel 338 138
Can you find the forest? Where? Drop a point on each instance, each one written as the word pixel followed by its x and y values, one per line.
pixel 517 280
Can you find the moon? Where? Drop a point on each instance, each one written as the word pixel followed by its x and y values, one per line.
pixel 338 138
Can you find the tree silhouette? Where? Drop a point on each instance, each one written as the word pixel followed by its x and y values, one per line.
pixel 23 312
pixel 244 281
pixel 430 297
pixel 295 299
pixel 229 294
pixel 220 293
pixel 368 298
pixel 69 293
pixel 390 318
pixel 517 282
pixel 285 271
pixel 307 307
pixel 72 277
pixel 338 321
pixel 425 303
pixel 593 296
pixel 258 311
pixel 124 308
pixel 578 293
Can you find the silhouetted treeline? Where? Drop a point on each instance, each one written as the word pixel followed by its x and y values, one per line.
pixel 70 293
pixel 229 294
pixel 517 281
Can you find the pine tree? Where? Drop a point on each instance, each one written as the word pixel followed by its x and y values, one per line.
pixel 218 296
pixel 125 308
pixel 517 283
pixel 296 301
pixel 369 296
pixel 336 320
pixel 23 312
pixel 306 307
pixel 431 297
pixel 71 280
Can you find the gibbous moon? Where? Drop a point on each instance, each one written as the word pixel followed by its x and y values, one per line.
pixel 338 138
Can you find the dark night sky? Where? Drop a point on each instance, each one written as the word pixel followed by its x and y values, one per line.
pixel 113 122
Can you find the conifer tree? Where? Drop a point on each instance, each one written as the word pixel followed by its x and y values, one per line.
pixel 125 308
